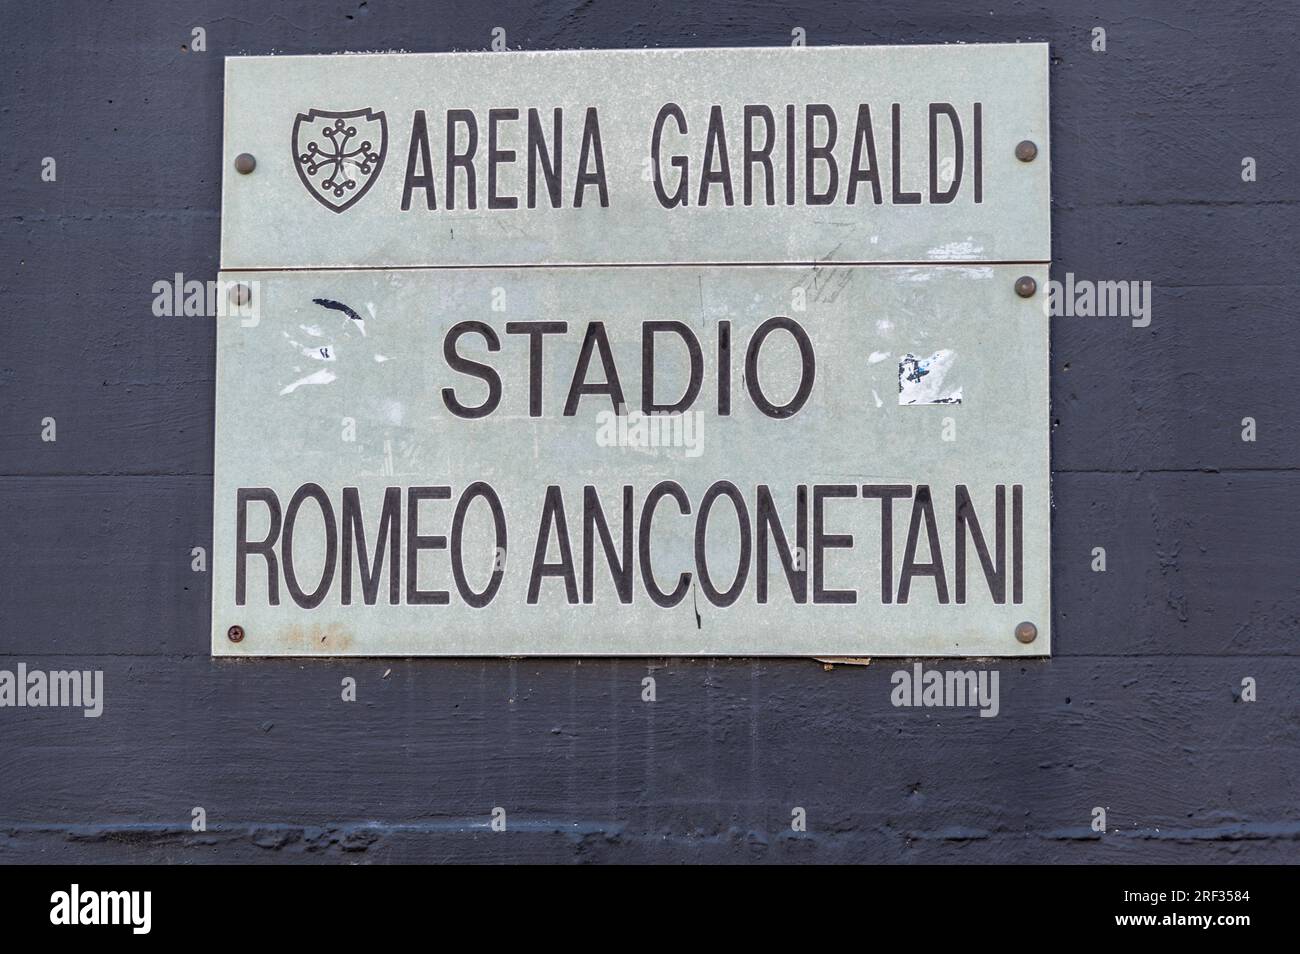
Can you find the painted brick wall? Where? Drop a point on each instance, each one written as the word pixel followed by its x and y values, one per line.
pixel 1139 712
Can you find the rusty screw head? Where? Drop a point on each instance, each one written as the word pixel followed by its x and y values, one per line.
pixel 245 163
pixel 235 634
pixel 241 295
pixel 1026 632
pixel 1026 286
pixel 1026 150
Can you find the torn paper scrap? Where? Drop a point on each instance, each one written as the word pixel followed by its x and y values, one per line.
pixel 927 380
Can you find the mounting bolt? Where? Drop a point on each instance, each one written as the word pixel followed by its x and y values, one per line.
pixel 245 163
pixel 1026 151
pixel 240 295
pixel 1026 632
pixel 236 634
pixel 1026 286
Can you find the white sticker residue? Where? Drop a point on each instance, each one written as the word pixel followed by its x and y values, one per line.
pixel 925 380
pixel 323 376
pixel 956 252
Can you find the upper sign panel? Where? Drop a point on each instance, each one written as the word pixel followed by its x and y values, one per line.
pixel 837 154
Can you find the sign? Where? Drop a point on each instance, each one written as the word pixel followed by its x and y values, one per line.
pixel 460 461
pixel 843 154
pixel 715 352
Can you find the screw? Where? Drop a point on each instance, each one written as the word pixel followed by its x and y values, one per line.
pixel 1026 151
pixel 235 634
pixel 245 163
pixel 1026 286
pixel 1026 632
pixel 241 294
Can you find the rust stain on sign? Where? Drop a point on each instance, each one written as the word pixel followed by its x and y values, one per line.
pixel 315 639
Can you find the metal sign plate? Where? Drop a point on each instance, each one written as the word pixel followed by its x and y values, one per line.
pixel 903 154
pixel 430 462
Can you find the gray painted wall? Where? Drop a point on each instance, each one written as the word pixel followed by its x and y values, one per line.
pixel 1139 711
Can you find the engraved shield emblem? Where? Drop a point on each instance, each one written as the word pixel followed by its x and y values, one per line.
pixel 339 155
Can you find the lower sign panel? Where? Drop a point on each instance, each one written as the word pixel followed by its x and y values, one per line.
pixel 847 460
